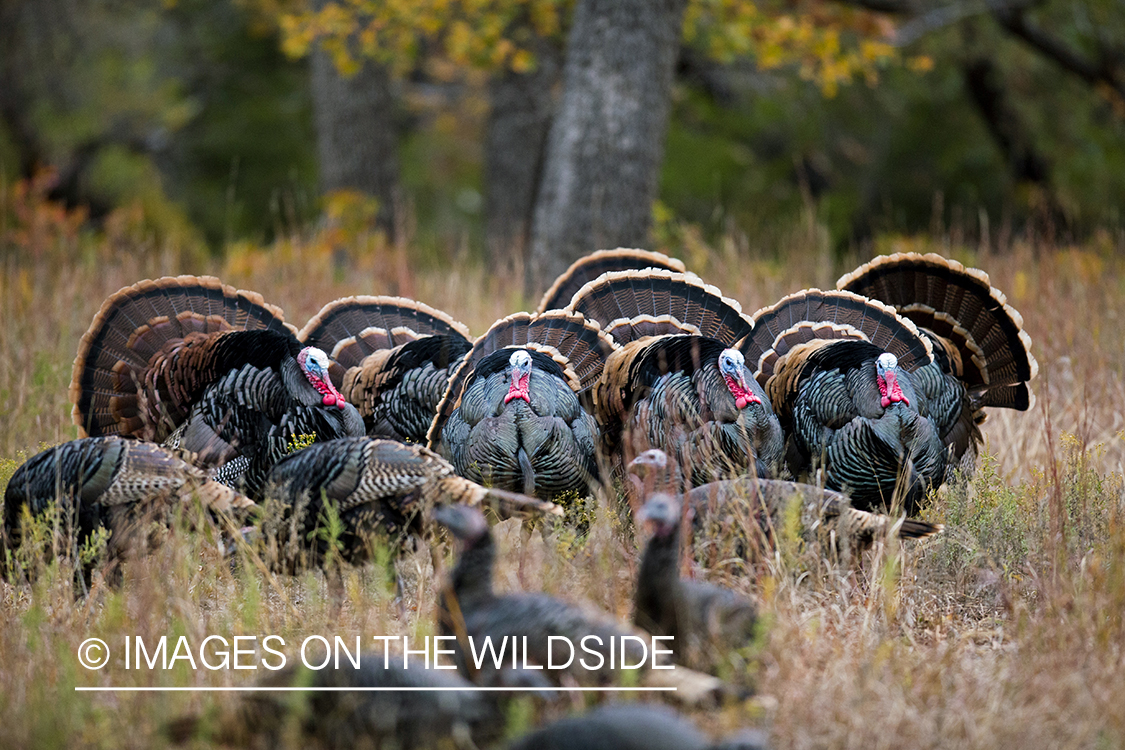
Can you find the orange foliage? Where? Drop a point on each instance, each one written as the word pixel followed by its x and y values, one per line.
pixel 33 224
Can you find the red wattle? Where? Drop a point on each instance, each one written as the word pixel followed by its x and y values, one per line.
pixel 742 396
pixel 890 390
pixel 329 396
pixel 518 389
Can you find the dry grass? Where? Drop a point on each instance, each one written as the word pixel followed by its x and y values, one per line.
pixel 1009 631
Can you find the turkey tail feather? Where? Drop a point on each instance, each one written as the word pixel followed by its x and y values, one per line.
pixel 813 314
pixel 457 490
pixel 914 529
pixel 139 324
pixel 595 264
pixel 683 300
pixel 351 328
pixel 958 304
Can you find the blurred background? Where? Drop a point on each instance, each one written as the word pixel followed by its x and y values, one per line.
pixel 521 133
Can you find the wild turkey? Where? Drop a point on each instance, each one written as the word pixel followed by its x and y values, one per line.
pixel 514 415
pixel 677 383
pixel 838 368
pixel 470 610
pixel 108 482
pixel 636 726
pixel 590 267
pixel 378 487
pixel 706 620
pixel 736 519
pixel 391 357
pixel 380 705
pixel 982 356
pixel 212 370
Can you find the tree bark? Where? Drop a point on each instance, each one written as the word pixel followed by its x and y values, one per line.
pixel 607 140
pixel 355 135
pixel 522 105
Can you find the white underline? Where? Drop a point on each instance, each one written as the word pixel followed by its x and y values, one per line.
pixel 251 689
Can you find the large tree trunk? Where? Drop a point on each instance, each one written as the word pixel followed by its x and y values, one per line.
pixel 522 105
pixel 607 140
pixel 355 134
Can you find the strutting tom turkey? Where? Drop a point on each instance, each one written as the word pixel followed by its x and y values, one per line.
pixel 391 357
pixel 212 370
pixel 515 416
pixel 982 355
pixel 839 368
pixel 677 382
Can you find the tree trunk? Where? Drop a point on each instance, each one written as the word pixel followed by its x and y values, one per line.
pixel 356 142
pixel 607 140
pixel 1028 166
pixel 522 105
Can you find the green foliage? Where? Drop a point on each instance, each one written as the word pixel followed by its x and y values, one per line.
pixel 996 525
pixel 329 532
pixel 244 162
pixel 871 160
pixel 93 550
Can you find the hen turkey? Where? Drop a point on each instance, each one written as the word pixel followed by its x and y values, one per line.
pixel 391 357
pixel 513 416
pixel 379 488
pixel 706 620
pixel 677 383
pixel 211 370
pixel 108 482
pixel 982 356
pixel 470 610
pixel 590 267
pixel 839 368
pixel 735 519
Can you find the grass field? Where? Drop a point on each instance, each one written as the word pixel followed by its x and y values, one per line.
pixel 1006 631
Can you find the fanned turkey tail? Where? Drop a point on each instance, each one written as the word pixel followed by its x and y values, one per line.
pixel 592 266
pixel 351 328
pixel 978 331
pixel 155 345
pixel 631 304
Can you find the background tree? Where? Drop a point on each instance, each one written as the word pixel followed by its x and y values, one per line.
pixel 607 140
pixel 791 121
